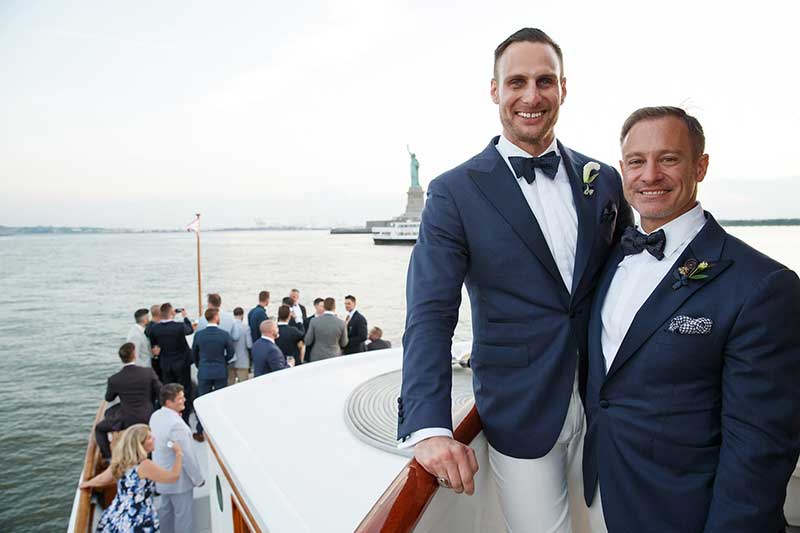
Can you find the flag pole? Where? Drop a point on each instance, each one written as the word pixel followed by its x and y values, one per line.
pixel 199 289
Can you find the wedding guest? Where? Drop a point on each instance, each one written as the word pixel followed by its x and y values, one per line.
pixel 298 309
pixel 137 336
pixel 257 315
pixel 356 326
pixel 175 356
pixel 290 337
pixel 327 333
pixel 166 424
pixel 376 341
pixel 155 351
pixel 226 320
pixel 132 508
pixel 267 357
pixel 212 351
pixel 240 369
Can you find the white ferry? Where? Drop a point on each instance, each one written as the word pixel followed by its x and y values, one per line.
pixel 396 233
pixel 312 449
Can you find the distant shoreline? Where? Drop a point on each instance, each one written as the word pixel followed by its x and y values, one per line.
pixel 6 231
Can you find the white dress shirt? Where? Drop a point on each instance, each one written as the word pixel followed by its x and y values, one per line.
pixel 143 354
pixel 638 275
pixel 553 206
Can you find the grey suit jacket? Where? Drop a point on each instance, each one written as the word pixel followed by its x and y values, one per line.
pixel 166 425
pixel 328 335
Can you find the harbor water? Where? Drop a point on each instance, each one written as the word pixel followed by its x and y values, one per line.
pixel 67 302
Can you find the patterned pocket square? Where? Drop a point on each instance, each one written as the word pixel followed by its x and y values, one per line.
pixel 686 325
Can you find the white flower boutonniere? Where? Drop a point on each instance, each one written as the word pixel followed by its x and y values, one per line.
pixel 590 172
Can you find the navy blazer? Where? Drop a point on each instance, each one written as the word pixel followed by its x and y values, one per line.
pixel 170 336
pixel 267 357
pixel 137 388
pixel 478 229
pixel 699 433
pixel 213 349
pixel 356 334
pixel 255 317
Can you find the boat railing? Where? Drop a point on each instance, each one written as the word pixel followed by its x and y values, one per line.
pixel 402 504
pixel 85 510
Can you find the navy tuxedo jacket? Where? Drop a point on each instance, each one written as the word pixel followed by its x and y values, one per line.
pixel 212 350
pixel 356 334
pixel 171 338
pixel 267 357
pixel 477 229
pixel 693 433
pixel 255 317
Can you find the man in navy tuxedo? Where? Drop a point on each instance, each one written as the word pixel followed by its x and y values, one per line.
pixel 257 315
pixel 526 225
pixel 212 350
pixel 267 357
pixel 356 327
pixel 168 337
pixel 692 403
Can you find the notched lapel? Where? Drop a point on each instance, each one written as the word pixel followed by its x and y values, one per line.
pixel 500 188
pixel 586 209
pixel 664 300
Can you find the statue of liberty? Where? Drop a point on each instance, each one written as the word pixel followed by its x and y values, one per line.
pixel 414 168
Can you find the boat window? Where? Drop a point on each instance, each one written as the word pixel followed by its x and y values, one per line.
pixel 219 494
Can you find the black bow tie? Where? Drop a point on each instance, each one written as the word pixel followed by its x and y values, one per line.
pixel 635 242
pixel 524 166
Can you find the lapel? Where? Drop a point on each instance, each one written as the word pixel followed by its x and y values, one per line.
pixel 497 183
pixel 664 300
pixel 585 208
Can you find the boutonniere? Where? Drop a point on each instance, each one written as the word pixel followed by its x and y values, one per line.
pixel 590 172
pixel 692 269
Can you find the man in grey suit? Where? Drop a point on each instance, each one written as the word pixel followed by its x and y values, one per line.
pixel 166 425
pixel 327 333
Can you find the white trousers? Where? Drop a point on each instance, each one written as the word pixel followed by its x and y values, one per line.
pixel 534 495
pixel 175 513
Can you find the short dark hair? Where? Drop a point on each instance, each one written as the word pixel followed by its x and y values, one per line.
pixel 211 313
pixel 238 311
pixel 351 298
pixel 378 331
pixel 127 352
pixel 294 290
pixel 318 300
pixel 140 313
pixel 528 35
pixel 696 136
pixel 263 296
pixel 215 299
pixel 165 309
pixel 169 391
pixel 284 312
pixel 329 304
pixel 287 301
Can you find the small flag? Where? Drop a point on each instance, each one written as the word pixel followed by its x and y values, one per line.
pixel 194 225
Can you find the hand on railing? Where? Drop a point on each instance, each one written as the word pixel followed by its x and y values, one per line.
pixel 453 464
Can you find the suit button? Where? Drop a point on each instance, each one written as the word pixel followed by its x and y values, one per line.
pixel 604 404
pixel 399 400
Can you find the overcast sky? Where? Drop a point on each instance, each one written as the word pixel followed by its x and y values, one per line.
pixel 137 114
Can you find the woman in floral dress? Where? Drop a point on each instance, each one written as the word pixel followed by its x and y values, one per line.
pixel 132 509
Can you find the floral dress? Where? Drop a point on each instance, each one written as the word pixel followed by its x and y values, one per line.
pixel 132 509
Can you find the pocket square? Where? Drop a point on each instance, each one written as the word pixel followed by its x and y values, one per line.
pixel 686 325
pixel 609 213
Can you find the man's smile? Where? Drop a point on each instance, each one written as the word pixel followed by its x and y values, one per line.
pixel 529 115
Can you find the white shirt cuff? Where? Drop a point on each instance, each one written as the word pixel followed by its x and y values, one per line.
pixel 422 434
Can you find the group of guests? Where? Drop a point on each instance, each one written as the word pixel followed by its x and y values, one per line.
pixel 149 457
pixel 225 350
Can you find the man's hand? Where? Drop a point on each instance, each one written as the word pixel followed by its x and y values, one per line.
pixel 184 314
pixel 155 350
pixel 447 458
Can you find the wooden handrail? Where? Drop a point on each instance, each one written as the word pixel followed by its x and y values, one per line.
pixel 84 512
pixel 401 505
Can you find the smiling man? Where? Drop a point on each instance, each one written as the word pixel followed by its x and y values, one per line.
pixel 694 351
pixel 526 224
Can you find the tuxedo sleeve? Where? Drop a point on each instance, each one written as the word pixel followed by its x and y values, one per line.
pixel 111 393
pixel 187 327
pixel 760 410
pixel 196 351
pixel 436 273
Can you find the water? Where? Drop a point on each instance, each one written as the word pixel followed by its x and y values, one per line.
pixel 67 302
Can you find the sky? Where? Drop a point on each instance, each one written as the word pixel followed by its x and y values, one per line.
pixel 139 114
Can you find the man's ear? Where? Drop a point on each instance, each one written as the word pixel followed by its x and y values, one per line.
pixel 563 89
pixel 493 92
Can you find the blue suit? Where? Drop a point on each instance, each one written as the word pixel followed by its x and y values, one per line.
pixel 212 350
pixel 477 229
pixel 267 357
pixel 255 317
pixel 692 433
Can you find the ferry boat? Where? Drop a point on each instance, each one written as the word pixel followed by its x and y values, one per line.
pixel 396 233
pixel 312 449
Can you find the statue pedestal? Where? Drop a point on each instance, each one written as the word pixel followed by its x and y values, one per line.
pixel 416 201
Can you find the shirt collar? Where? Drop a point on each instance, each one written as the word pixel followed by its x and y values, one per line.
pixel 328 313
pixel 283 323
pixel 210 325
pixel 128 364
pixel 682 229
pixel 508 149
pixel 351 313
pixel 270 339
